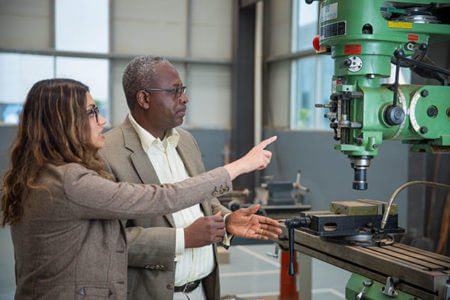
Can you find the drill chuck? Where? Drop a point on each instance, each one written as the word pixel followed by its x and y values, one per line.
pixel 360 164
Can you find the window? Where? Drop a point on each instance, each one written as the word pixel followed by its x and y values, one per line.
pixel 311 84
pixel 90 71
pixel 80 26
pixel 305 25
pixel 18 74
pixel 311 74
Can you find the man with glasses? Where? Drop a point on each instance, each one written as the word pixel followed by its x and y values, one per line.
pixel 171 256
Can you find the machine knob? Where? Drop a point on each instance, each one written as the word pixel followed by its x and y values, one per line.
pixel 399 53
pixel 347 62
pixel 423 130
pixel 394 115
pixel 432 111
pixel 366 284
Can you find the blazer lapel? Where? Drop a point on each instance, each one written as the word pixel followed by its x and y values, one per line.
pixel 138 157
pixel 185 150
pixel 185 153
pixel 140 160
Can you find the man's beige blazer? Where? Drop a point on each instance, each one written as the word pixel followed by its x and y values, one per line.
pixel 151 241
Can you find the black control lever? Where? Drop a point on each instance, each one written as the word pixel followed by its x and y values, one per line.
pixel 291 224
pixel 394 115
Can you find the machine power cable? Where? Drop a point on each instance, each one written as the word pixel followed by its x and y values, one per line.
pixel 403 186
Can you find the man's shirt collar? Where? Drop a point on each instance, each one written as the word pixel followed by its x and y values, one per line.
pixel 148 140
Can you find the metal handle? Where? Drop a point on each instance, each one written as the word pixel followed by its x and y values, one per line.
pixel 291 271
pixel 291 224
pixel 389 288
pixel 361 294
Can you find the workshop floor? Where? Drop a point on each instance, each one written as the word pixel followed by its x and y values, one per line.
pixel 249 274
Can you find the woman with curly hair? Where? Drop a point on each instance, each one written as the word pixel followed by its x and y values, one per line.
pixel 63 210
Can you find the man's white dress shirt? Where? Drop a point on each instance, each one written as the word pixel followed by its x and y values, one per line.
pixel 192 263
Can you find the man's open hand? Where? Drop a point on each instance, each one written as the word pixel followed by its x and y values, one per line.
pixel 245 223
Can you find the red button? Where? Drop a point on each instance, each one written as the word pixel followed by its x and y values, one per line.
pixel 316 43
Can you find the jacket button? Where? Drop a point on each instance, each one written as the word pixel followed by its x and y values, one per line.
pixel 81 292
pixel 170 286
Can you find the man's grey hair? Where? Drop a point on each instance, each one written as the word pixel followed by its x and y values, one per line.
pixel 139 74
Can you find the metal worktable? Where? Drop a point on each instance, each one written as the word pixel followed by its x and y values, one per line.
pixel 421 273
pixel 284 211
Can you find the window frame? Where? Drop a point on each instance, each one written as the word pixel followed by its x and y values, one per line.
pixel 55 54
pixel 296 57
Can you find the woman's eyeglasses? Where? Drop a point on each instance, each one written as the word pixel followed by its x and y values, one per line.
pixel 93 112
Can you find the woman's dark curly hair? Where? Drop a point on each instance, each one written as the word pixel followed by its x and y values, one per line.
pixel 53 129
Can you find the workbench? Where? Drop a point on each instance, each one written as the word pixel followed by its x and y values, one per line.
pixel 421 273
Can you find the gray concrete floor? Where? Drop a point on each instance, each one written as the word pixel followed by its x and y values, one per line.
pixel 250 273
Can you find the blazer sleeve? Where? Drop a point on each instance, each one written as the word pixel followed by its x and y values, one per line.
pixel 94 197
pixel 107 166
pixel 151 246
pixel 216 207
pixel 215 203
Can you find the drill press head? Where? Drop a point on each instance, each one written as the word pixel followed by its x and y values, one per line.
pixel 364 37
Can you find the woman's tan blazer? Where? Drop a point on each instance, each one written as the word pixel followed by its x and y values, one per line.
pixel 72 245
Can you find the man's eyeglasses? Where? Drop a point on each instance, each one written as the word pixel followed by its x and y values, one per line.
pixel 177 92
pixel 94 111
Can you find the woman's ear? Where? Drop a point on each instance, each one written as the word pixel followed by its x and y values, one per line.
pixel 143 99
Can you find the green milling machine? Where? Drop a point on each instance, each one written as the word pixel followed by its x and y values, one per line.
pixel 364 37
